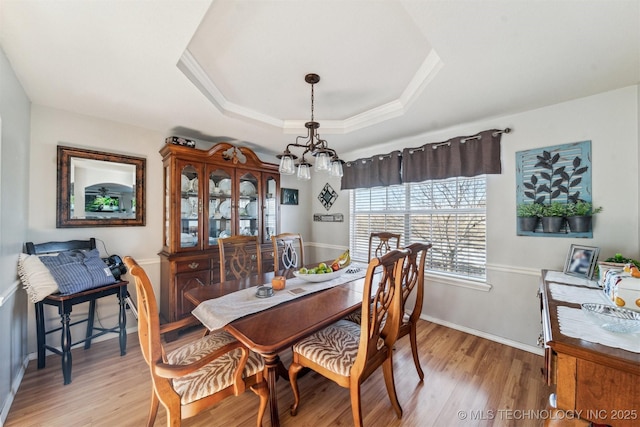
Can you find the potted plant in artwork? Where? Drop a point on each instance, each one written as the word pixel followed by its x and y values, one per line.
pixel 553 217
pixel 528 215
pixel 579 216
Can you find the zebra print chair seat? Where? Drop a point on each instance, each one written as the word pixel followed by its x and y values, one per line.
pixel 413 278
pixel 196 376
pixel 215 376
pixel 348 353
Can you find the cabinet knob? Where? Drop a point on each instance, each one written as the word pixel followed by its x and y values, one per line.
pixel 194 265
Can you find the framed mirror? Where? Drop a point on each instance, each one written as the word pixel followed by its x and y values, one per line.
pixel 98 189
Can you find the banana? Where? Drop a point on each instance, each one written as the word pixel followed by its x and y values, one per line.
pixel 342 261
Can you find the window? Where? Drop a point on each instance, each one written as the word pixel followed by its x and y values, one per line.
pixel 449 213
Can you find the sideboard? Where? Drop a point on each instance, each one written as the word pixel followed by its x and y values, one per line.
pixel 594 382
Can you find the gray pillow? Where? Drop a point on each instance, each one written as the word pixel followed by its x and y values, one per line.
pixel 78 270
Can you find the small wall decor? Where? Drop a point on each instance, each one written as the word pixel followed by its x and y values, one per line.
pixel 581 261
pixel 338 217
pixel 289 196
pixel 327 196
pixel 550 179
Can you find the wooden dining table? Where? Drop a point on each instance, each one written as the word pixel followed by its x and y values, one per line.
pixel 271 331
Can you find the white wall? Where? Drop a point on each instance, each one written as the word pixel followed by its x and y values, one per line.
pixel 510 309
pixel 50 128
pixel 14 179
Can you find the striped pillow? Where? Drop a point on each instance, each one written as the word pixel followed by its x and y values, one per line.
pixel 78 270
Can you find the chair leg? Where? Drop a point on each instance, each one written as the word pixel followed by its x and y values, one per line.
pixel 41 335
pixel 389 382
pixel 414 350
pixel 356 405
pixel 90 318
pixel 294 368
pixel 65 345
pixel 122 323
pixel 262 390
pixel 153 411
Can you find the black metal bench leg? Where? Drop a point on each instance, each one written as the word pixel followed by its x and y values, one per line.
pixel 41 335
pixel 65 344
pixel 90 318
pixel 122 296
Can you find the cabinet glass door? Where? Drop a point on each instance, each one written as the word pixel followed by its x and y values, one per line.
pixel 270 209
pixel 248 204
pixel 190 208
pixel 220 207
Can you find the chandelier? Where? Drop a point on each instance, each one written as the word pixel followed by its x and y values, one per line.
pixel 326 158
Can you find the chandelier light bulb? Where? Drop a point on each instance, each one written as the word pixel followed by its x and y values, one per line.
pixel 286 165
pixel 304 172
pixel 322 162
pixel 336 168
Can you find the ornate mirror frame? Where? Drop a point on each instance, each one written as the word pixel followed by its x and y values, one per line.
pixel 67 156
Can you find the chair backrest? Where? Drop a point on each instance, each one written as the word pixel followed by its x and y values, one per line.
pixel 288 251
pixel 381 305
pixel 414 276
pixel 240 257
pixel 382 242
pixel 148 317
pixel 53 247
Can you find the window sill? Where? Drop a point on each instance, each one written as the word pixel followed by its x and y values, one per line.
pixel 455 281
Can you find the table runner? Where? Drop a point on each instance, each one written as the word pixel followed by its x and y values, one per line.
pixel 574 323
pixel 216 313
pixel 577 295
pixel 560 277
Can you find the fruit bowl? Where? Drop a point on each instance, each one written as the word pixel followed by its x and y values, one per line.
pixel 613 319
pixel 322 277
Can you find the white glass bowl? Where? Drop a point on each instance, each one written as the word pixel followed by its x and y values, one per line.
pixel 613 319
pixel 320 277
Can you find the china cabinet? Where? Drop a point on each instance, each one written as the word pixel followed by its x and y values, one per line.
pixel 211 194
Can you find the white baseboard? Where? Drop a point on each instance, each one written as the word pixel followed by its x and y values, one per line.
pixel 481 334
pixel 4 411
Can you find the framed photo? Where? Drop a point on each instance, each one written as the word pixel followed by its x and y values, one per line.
pixel 581 261
pixel 289 196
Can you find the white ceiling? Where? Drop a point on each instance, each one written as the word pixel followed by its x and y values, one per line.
pixel 234 69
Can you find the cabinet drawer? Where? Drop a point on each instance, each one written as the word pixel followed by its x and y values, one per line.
pixel 196 264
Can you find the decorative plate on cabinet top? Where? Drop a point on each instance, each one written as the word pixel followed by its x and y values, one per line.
pixel 212 208
pixel 225 185
pixel 225 209
pixel 185 184
pixel 247 188
pixel 252 209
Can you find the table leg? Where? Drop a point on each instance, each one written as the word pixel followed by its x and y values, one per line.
pixel 273 364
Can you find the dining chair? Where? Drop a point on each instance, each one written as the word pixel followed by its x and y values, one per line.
pixel 347 353
pixel 288 249
pixel 199 374
pixel 382 242
pixel 413 278
pixel 240 257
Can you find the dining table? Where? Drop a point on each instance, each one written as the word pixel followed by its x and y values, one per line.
pixel 271 331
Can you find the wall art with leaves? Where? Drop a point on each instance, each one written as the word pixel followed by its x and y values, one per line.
pixel 559 173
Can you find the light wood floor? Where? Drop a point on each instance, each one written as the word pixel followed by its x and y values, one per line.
pixel 490 383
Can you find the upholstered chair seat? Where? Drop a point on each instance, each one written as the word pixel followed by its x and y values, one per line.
pixel 215 376
pixel 348 353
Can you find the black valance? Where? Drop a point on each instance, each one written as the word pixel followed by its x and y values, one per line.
pixel 462 156
pixel 376 171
